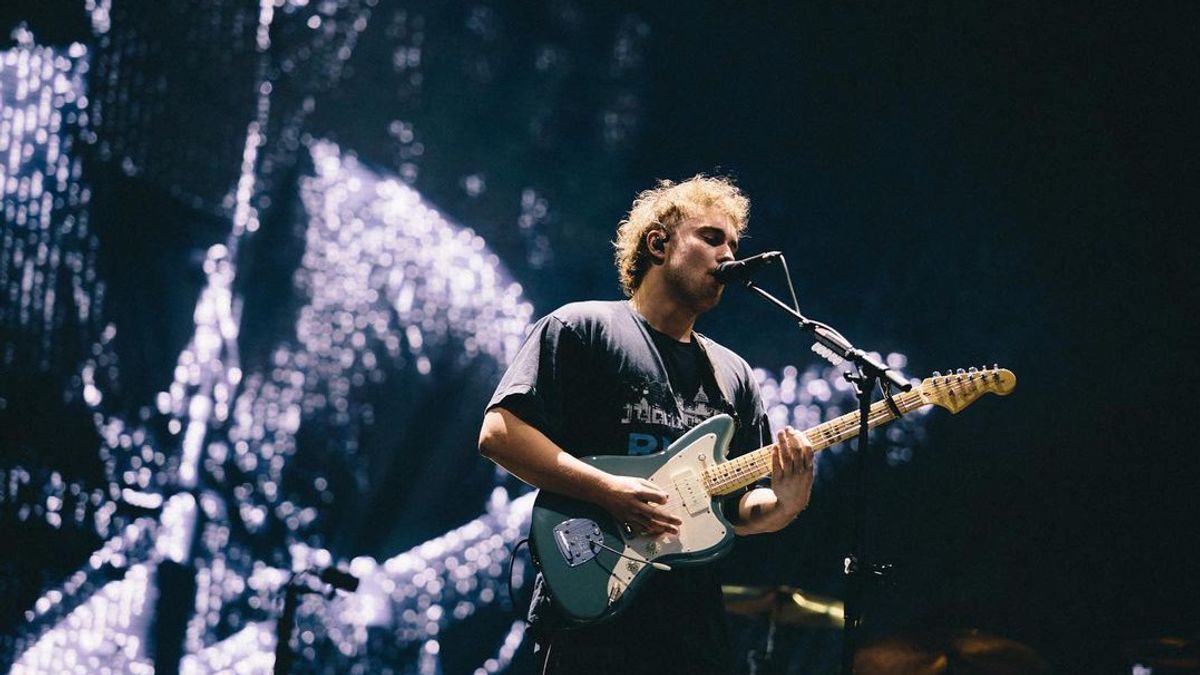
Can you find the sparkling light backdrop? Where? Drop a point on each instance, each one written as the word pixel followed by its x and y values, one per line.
pixel 262 262
pixel 246 468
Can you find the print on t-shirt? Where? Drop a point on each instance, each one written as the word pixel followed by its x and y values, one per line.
pixel 670 425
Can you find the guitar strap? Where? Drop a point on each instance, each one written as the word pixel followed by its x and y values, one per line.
pixel 702 342
pixel 720 376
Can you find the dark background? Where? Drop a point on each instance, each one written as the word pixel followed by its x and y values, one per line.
pixel 966 184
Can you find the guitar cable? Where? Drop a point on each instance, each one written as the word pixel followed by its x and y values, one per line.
pixel 512 556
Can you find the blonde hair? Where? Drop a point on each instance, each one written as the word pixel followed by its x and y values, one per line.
pixel 664 207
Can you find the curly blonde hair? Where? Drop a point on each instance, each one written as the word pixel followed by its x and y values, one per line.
pixel 664 207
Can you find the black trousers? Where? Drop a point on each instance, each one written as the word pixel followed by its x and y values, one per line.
pixel 609 651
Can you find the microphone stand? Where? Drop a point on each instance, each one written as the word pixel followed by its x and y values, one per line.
pixel 869 371
pixel 324 582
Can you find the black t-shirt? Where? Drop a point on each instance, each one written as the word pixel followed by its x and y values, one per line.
pixel 593 377
pixel 697 395
pixel 590 378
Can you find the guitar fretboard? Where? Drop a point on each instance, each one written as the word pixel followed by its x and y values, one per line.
pixel 726 477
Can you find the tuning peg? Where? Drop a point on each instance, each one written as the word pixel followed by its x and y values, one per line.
pixel 972 369
pixel 961 371
pixel 937 373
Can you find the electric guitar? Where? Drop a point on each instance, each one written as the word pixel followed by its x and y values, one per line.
pixel 593 565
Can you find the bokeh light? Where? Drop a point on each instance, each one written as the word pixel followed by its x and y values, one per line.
pixel 246 463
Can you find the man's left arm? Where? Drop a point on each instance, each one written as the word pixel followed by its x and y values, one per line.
pixel 770 509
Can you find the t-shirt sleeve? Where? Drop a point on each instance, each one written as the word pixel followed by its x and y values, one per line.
pixel 534 385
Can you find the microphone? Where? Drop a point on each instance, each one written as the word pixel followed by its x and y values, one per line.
pixel 742 270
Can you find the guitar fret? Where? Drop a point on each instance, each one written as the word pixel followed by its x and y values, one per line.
pixel 728 476
pixel 748 468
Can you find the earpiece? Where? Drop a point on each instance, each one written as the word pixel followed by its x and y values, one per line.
pixel 659 244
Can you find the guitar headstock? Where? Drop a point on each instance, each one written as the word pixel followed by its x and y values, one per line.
pixel 957 390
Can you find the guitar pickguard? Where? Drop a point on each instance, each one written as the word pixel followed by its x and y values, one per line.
pixel 680 478
pixel 623 574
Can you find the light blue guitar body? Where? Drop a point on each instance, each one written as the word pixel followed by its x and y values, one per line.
pixel 576 543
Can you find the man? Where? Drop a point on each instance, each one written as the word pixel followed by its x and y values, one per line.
pixel 629 378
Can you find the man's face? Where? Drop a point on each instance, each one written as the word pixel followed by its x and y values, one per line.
pixel 693 252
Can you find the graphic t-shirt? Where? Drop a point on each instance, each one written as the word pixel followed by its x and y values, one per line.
pixel 597 379
pixel 590 377
pixel 697 396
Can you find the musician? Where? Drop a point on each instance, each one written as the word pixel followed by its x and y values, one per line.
pixel 629 377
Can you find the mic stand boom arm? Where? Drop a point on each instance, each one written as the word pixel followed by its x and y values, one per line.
pixel 835 347
pixel 837 344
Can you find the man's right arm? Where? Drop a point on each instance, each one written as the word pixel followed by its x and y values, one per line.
pixel 530 455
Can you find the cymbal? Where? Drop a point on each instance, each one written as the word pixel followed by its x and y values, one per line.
pixel 970 652
pixel 1168 654
pixel 786 605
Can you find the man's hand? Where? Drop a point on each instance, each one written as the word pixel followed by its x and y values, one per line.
pixel 638 503
pixel 527 453
pixel 792 471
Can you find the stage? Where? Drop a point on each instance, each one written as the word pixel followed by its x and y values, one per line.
pixel 263 264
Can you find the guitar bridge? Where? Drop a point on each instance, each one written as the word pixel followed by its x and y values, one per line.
pixel 578 540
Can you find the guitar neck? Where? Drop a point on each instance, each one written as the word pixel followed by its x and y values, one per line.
pixel 726 477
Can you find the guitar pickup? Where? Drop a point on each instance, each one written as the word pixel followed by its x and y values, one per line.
pixel 693 495
pixel 578 540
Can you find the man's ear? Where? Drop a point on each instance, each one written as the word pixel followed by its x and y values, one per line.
pixel 656 241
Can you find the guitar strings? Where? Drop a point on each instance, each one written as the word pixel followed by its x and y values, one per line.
pixel 748 468
pixel 757 463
